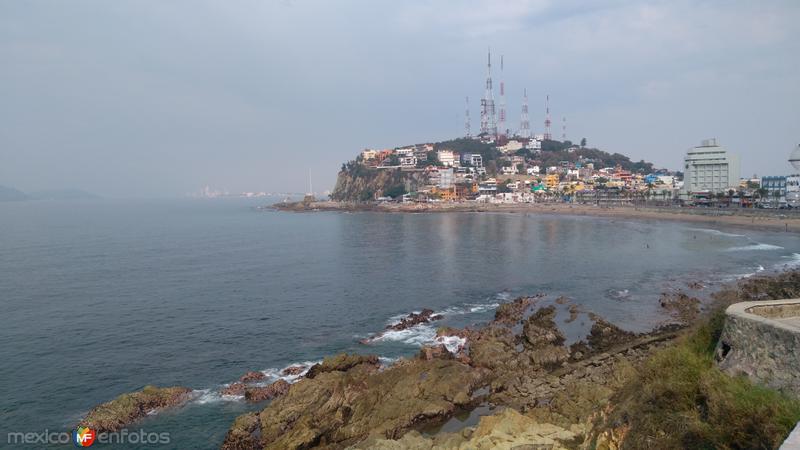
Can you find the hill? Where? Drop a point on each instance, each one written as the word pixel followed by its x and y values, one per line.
pixel 9 194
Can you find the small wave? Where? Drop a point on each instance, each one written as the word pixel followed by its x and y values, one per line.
pixel 214 395
pixel 715 232
pixel 206 396
pixel 742 276
pixel 755 246
pixel 618 294
pixel 468 308
pixel 793 262
pixel 417 335
pixel 453 344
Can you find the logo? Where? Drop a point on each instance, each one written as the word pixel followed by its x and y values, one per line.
pixel 83 437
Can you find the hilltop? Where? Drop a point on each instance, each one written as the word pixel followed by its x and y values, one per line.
pixel 466 168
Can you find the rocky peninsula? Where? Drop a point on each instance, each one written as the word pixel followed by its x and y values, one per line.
pixel 519 384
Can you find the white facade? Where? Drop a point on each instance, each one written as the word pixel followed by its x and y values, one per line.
pixel 448 158
pixel 408 161
pixel 709 167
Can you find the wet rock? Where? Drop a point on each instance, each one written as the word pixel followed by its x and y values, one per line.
pixel 341 362
pixel 573 313
pixel 429 352
pixel 252 376
pixel 604 336
pixel 260 393
pixel 681 306
pixel 293 370
pixel 512 312
pixel 127 408
pixel 244 434
pixel 540 329
pixel 233 389
pixel 413 319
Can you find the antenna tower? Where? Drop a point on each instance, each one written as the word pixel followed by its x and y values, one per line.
pixel 502 115
pixel 488 122
pixel 547 135
pixel 524 122
pixel 467 131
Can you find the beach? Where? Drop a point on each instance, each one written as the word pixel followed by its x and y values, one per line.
pixel 774 220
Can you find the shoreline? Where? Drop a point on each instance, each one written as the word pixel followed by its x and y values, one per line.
pixel 753 219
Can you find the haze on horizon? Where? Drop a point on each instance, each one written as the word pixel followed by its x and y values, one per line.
pixel 159 98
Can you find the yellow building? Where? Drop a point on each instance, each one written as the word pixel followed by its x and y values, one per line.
pixel 551 181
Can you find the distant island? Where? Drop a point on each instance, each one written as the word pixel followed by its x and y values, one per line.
pixel 9 194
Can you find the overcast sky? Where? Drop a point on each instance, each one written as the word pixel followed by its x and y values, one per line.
pixel 158 98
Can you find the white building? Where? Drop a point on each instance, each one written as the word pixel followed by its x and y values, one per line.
pixel 709 167
pixel 448 158
pixel 511 146
pixel 408 161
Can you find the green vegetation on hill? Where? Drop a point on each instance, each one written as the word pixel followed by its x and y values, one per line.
pixel 358 183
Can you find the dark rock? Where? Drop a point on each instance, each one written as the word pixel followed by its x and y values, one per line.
pixel 512 312
pixel 293 370
pixel 260 393
pixel 252 376
pixel 680 306
pixel 127 408
pixel 429 352
pixel 233 389
pixel 413 319
pixel 341 363
pixel 540 329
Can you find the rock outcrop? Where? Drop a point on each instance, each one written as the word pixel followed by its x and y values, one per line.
pixel 128 408
pixel 341 363
pixel 413 319
pixel 257 394
pixel 252 376
pixel 503 431
pixel 336 408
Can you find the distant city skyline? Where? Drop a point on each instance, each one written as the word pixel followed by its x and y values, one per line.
pixel 150 98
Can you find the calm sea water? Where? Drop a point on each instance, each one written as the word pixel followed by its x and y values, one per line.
pixel 103 297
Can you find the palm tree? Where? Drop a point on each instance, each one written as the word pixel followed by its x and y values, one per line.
pixel 761 193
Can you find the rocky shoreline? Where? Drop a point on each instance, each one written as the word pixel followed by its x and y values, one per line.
pixel 542 391
pixel 753 219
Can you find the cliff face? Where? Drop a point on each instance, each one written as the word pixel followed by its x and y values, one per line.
pixel 358 183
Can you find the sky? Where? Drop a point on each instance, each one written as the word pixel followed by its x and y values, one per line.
pixel 150 98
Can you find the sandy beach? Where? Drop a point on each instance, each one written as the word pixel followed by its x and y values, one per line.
pixel 774 220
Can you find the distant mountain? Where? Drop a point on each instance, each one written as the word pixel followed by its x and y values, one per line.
pixel 64 194
pixel 9 194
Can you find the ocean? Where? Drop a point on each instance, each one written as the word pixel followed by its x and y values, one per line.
pixel 103 297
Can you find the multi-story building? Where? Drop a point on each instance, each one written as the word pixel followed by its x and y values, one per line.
pixel 446 178
pixel 710 168
pixel 448 158
pixel 776 189
pixel 793 190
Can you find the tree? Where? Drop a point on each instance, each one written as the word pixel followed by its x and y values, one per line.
pixel 583 142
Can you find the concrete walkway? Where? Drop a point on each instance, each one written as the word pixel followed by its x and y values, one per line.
pixel 793 441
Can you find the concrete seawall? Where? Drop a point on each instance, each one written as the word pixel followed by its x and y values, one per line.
pixel 762 340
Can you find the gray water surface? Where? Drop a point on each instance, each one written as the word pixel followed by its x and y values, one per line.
pixel 104 297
